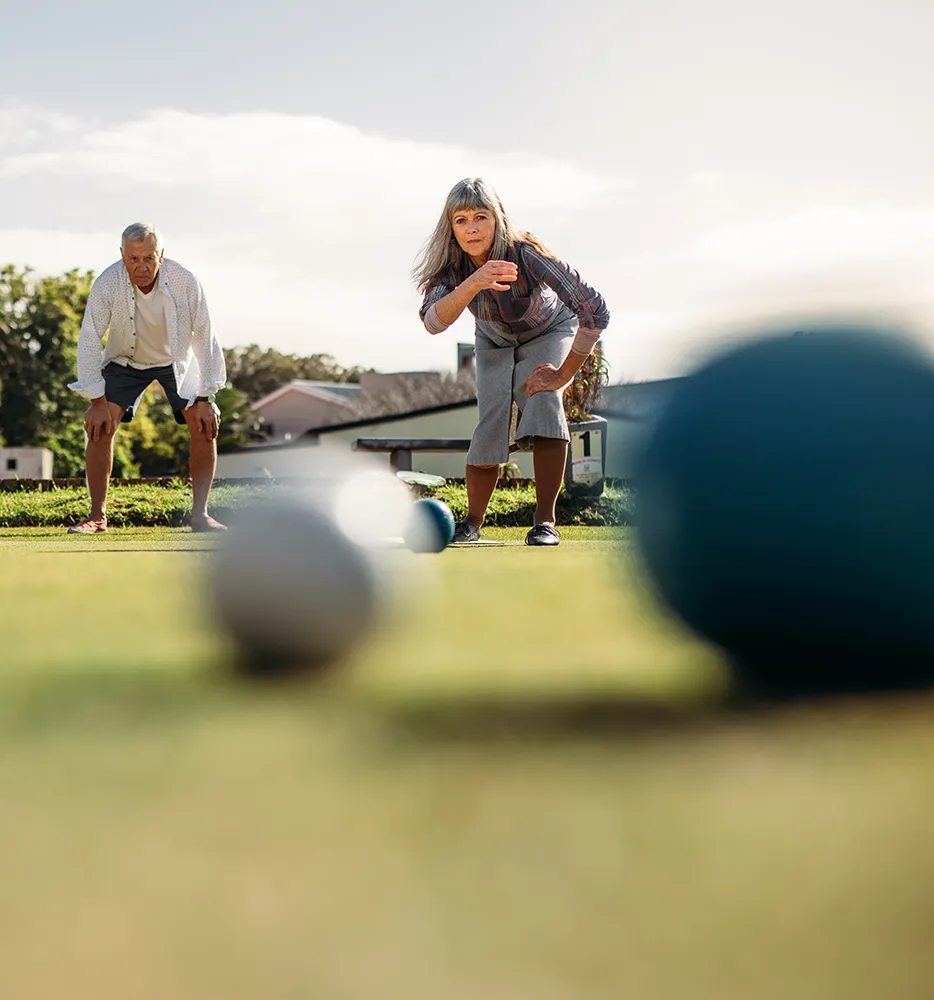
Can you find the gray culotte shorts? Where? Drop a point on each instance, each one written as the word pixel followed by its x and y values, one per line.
pixel 502 369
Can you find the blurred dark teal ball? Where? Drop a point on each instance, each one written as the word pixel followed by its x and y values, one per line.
pixel 786 510
pixel 430 527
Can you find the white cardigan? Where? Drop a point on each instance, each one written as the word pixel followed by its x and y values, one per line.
pixel 197 357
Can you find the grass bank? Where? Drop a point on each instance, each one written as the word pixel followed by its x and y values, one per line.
pixel 168 504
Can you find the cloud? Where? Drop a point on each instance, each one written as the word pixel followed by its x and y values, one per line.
pixel 303 230
pixel 831 259
pixel 725 282
pixel 53 251
pixel 825 237
pixel 22 127
pixel 292 162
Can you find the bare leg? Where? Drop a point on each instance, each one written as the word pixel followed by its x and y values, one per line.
pixel 203 463
pixel 100 462
pixel 481 482
pixel 99 458
pixel 549 456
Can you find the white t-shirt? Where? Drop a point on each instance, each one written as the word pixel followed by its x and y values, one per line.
pixel 152 336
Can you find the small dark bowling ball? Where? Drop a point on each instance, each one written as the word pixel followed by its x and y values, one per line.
pixel 786 510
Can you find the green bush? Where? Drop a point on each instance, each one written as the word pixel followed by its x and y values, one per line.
pixel 169 504
pixel 515 506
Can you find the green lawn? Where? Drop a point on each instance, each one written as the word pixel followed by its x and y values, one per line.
pixel 529 786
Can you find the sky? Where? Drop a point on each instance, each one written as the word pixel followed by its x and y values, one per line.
pixel 712 169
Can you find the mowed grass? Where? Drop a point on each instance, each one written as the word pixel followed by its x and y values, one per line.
pixel 529 785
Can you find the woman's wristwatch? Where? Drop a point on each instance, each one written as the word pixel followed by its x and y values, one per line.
pixel 204 399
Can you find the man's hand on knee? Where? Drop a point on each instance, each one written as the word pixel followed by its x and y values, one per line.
pixel 99 422
pixel 203 419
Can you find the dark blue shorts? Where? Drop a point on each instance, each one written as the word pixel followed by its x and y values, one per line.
pixel 126 384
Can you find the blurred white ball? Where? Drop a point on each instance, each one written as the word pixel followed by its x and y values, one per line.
pixel 291 588
pixel 371 506
pixel 299 580
pixel 366 499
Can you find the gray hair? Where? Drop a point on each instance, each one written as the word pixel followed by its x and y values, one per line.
pixel 441 254
pixel 138 232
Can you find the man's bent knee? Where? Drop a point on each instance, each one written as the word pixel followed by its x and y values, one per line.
pixel 197 429
pixel 105 433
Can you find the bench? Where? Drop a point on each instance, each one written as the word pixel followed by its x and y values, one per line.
pixel 401 449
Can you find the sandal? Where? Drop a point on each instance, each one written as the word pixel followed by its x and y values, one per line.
pixel 88 527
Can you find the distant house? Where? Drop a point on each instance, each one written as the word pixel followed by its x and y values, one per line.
pixel 630 410
pixel 449 420
pixel 303 405
pixel 25 463
pixel 291 409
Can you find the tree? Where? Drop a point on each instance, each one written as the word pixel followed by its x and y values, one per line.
pixel 256 372
pixel 40 319
pixel 240 425
pixel 160 447
pixel 40 322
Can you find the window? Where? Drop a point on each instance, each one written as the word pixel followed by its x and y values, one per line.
pixel 11 465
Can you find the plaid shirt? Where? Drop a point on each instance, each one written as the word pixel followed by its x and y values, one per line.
pixel 532 300
pixel 197 358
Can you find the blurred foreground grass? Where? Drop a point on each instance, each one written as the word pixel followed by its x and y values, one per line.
pixel 527 787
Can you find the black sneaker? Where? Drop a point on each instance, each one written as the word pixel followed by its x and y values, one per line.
pixel 465 532
pixel 542 534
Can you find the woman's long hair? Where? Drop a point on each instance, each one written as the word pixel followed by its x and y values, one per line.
pixel 441 257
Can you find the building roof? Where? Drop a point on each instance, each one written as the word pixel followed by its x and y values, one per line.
pixel 388 418
pixel 337 393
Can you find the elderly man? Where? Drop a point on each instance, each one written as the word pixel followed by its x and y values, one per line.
pixel 160 331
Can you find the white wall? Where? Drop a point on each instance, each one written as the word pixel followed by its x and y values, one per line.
pixel 255 463
pixel 25 463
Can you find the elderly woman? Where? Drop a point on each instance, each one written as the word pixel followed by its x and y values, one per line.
pixel 536 324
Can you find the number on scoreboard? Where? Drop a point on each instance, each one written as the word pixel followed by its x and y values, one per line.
pixel 587 457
